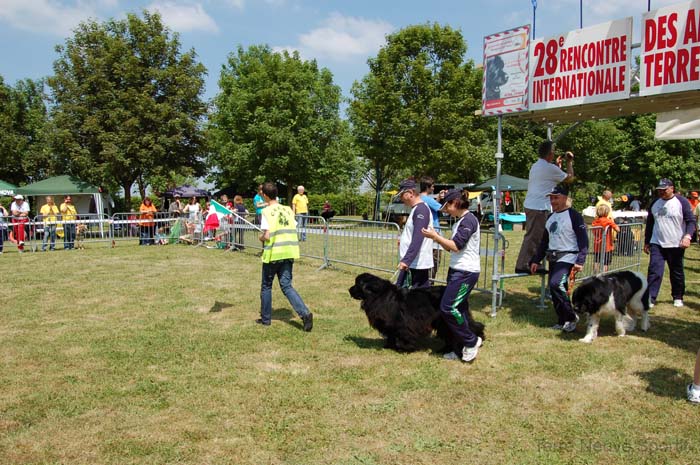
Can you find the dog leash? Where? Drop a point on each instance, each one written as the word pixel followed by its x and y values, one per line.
pixel 572 281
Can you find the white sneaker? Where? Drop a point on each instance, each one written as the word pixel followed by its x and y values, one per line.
pixel 470 353
pixel 678 303
pixel 651 304
pixel 693 394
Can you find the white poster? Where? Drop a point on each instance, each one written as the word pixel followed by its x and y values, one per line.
pixel 670 57
pixel 504 88
pixel 583 66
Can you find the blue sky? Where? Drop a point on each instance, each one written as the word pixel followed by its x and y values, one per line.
pixel 340 35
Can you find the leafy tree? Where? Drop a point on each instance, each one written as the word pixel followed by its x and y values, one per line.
pixel 128 104
pixel 24 153
pixel 415 109
pixel 277 118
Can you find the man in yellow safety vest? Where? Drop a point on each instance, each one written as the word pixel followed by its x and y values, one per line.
pixel 280 248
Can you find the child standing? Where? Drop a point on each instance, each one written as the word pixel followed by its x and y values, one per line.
pixel 603 253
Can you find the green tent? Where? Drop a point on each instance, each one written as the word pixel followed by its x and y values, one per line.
pixel 7 189
pixel 508 183
pixel 59 185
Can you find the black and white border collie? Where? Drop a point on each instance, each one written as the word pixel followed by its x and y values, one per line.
pixel 623 294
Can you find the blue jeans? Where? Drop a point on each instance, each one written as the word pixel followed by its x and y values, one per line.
pixel 283 270
pixel 49 233
pixel 69 236
pixel 301 224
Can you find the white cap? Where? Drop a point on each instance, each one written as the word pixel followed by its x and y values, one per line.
pixel 19 197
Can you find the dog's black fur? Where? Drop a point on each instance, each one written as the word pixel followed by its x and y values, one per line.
pixel 404 316
pixel 623 294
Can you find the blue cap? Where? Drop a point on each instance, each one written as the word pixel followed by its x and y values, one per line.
pixel 407 185
pixel 665 183
pixel 450 195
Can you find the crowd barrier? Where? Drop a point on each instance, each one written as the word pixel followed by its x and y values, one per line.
pixel 371 245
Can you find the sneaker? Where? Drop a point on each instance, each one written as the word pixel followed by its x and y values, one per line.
pixel 678 302
pixel 470 353
pixel 557 327
pixel 261 322
pixel 570 326
pixel 693 394
pixel 308 322
pixel 651 304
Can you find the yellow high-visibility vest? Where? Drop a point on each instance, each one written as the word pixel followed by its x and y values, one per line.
pixel 283 243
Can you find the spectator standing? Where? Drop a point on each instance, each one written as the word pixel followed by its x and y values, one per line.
pixel 607 200
pixel 280 249
pixel 462 276
pixel 670 225
pixel 175 207
pixel 147 222
pixel 604 227
pixel 211 223
pixel 242 212
pixel 416 251
pixel 20 217
pixel 259 204
pixel 194 215
pixel 300 207
pixel 69 215
pixel 565 244
pixel 3 226
pixel 543 177
pixel 427 187
pixel 635 204
pixel 49 215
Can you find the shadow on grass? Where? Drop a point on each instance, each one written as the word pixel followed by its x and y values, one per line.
pixel 665 382
pixel 218 306
pixel 366 342
pixel 525 309
pixel 677 333
pixel 434 344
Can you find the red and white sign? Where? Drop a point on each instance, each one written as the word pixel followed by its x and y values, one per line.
pixel 504 88
pixel 583 66
pixel 670 57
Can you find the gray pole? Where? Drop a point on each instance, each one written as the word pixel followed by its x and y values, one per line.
pixel 496 219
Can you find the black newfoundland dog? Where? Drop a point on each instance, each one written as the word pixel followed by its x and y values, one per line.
pixel 404 316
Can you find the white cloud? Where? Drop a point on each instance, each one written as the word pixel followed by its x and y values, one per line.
pixel 49 16
pixel 182 17
pixel 342 38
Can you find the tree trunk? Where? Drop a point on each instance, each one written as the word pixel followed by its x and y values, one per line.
pixel 126 185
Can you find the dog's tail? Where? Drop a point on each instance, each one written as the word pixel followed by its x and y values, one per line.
pixel 645 299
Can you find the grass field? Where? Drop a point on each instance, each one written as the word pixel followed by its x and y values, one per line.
pixel 150 355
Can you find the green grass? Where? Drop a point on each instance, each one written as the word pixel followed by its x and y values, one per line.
pixel 150 355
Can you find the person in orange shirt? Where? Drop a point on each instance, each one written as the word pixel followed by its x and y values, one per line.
pixel 147 222
pixel 605 223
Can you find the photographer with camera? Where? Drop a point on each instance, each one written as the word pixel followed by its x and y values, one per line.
pixel 544 175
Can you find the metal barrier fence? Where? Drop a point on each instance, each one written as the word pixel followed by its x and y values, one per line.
pixel 366 244
pixel 628 245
